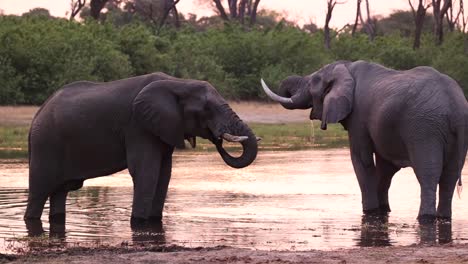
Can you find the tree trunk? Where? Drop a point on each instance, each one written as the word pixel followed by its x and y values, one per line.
pixel 370 24
pixel 419 16
pixel 233 8
pixel 326 29
pixel 253 14
pixel 439 13
pixel 242 6
pixel 221 10
pixel 168 6
pixel 358 14
pixel 96 7
pixel 76 6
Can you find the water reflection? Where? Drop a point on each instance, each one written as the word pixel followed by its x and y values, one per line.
pixel 374 231
pixel 148 233
pixel 286 201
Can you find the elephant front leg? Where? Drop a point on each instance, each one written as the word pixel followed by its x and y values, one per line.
pixel 144 163
pixel 162 186
pixel 364 168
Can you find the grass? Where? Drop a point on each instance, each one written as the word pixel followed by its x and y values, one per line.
pixel 14 142
pixel 290 136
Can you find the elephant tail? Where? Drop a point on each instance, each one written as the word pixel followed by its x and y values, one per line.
pixel 461 151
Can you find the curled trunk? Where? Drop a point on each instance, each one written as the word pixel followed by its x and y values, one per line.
pixel 249 146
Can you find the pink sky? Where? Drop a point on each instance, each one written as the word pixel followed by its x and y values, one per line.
pixel 301 11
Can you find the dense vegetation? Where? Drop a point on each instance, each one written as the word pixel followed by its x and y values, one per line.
pixel 39 54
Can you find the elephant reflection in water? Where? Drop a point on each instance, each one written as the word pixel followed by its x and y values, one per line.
pixel 376 230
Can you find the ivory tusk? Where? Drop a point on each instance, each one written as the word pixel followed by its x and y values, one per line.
pixel 232 138
pixel 274 96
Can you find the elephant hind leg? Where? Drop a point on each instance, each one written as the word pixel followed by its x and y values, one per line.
pixel 427 163
pixel 385 171
pixel 447 183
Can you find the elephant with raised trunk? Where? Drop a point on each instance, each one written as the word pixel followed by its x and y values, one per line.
pixel 415 118
pixel 87 129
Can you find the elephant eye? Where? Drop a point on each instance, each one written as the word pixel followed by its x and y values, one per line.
pixel 316 80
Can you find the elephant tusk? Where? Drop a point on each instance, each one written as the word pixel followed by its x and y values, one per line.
pixel 259 138
pixel 274 96
pixel 192 141
pixel 232 138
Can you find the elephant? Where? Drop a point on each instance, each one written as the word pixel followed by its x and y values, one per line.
pixel 414 118
pixel 89 129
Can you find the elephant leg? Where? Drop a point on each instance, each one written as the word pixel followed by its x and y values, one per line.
pixel 385 171
pixel 364 168
pixel 144 156
pixel 427 163
pixel 162 186
pixel 447 183
pixel 57 207
pixel 35 206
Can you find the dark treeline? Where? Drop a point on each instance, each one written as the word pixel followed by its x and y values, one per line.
pixel 40 53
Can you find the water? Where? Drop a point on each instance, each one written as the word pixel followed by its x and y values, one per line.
pixel 285 201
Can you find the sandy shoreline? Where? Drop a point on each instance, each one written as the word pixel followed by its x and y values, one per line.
pixel 410 254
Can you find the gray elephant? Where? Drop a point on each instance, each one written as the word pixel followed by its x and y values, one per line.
pixel 415 118
pixel 87 129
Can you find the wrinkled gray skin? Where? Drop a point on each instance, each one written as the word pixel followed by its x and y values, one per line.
pixel 414 118
pixel 86 130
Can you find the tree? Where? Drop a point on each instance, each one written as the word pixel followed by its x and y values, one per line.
pixel 38 11
pixel 76 6
pixel 439 13
pixel 358 15
pixel 96 8
pixel 418 16
pixel 326 30
pixel 238 10
pixel 368 24
pixel 463 28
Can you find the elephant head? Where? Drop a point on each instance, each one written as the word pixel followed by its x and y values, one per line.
pixel 328 91
pixel 175 110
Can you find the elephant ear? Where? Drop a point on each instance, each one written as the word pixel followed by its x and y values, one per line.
pixel 160 106
pixel 339 100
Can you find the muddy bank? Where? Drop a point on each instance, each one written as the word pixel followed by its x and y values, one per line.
pixel 409 254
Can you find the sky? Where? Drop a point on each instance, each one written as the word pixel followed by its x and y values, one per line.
pixel 300 11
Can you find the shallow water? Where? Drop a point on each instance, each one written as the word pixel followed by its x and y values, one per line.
pixel 285 201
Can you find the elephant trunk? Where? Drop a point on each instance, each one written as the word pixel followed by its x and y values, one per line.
pixel 245 136
pixel 293 93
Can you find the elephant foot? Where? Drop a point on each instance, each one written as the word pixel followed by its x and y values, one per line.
pixel 443 218
pixel 426 219
pixel 374 212
pixel 57 218
pixel 34 227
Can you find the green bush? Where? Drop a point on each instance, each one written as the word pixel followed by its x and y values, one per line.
pixel 39 54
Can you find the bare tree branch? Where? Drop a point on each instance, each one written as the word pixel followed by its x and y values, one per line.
pixel 167 9
pixel 326 31
pixel 76 6
pixel 221 10
pixel 358 14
